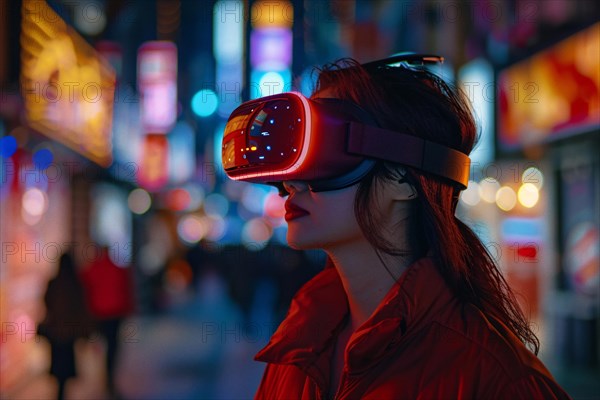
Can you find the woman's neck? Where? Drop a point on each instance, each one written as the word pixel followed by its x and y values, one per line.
pixel 365 278
pixel 368 274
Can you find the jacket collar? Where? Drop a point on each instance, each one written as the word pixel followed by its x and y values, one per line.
pixel 306 337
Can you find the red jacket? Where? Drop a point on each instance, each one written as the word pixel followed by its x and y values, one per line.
pixel 416 345
pixel 108 288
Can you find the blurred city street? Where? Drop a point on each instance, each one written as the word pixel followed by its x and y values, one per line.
pixel 196 350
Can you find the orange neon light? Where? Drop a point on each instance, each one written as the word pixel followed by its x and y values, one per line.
pixel 67 87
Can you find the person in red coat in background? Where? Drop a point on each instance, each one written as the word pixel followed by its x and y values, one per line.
pixel 109 293
pixel 412 305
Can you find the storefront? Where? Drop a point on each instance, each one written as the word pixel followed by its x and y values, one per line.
pixel 548 117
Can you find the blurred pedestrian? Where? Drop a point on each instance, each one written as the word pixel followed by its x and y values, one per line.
pixel 66 320
pixel 109 293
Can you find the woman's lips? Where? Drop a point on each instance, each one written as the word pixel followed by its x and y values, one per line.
pixel 292 211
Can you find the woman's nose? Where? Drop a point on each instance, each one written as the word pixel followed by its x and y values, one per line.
pixel 295 186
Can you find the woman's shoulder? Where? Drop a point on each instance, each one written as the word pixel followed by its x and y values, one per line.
pixel 486 347
pixel 468 326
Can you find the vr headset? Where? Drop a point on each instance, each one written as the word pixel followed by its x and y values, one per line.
pixel 329 143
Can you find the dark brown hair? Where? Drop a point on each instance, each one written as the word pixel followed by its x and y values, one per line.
pixel 417 102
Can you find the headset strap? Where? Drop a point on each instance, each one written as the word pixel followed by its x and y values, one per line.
pixel 370 141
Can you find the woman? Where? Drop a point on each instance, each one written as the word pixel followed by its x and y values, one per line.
pixel 411 304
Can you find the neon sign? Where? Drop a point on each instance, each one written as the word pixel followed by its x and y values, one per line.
pixel 67 87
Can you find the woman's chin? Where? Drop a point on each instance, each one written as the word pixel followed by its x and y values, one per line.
pixel 297 242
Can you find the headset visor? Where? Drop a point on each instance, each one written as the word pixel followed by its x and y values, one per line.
pixel 266 135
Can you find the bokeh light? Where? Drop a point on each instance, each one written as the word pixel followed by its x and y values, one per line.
pixel 506 198
pixel 178 199
pixel 205 103
pixel 89 16
pixel 42 159
pixel 35 202
pixel 271 83
pixel 488 188
pixel 8 146
pixel 534 176
pixel 139 201
pixel 256 234
pixel 34 205
pixel 528 195
pixel 192 228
